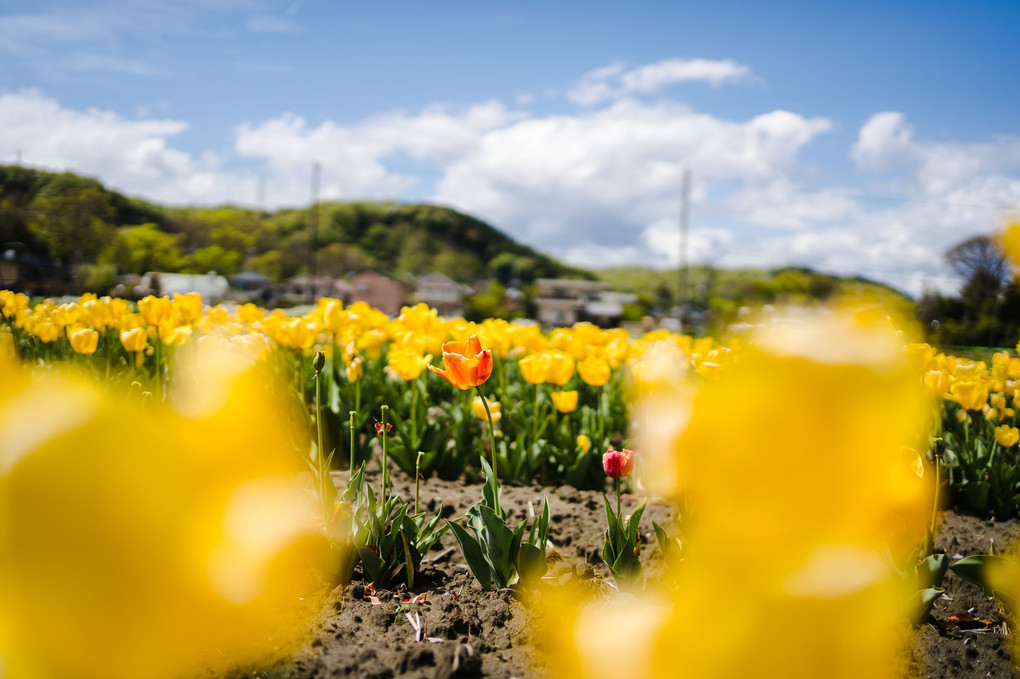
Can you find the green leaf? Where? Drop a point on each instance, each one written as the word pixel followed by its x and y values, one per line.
pixel 374 566
pixel 408 561
pixel 497 548
pixel 921 602
pixel 472 554
pixel 616 534
pixel 975 569
pixel 531 563
pixel 634 523
pixel 661 537
pixel 932 569
pixel 491 490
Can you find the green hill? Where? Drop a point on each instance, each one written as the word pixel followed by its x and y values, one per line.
pixel 722 292
pixel 98 234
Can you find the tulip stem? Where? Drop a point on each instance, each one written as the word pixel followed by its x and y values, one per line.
pixel 382 431
pixel 417 478
pixel 534 414
pixel 492 431
pixel 351 427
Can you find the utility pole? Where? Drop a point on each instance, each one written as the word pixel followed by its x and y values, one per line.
pixel 313 231
pixel 683 296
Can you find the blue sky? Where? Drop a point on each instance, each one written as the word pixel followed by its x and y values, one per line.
pixel 860 138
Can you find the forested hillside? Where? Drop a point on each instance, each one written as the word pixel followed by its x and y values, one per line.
pixel 99 234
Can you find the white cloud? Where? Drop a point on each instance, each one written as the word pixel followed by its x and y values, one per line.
pixel 779 203
pixel 131 155
pixel 596 187
pixel 353 156
pixel 613 171
pixel 616 81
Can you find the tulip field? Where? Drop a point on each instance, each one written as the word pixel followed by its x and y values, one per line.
pixel 222 491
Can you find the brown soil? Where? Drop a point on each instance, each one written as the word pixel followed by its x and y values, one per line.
pixel 467 632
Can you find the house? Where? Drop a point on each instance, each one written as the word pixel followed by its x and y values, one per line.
pixel 443 294
pixel 304 289
pixel 564 301
pixel 211 286
pixel 380 291
pixel 21 271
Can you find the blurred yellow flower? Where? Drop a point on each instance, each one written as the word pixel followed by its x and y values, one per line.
pixel 533 368
pixel 84 341
pixel 1007 436
pixel 970 395
pixel 777 474
pixel 214 557
pixel 134 340
pixel 565 401
pixel 594 370
pixel 1009 240
pixel 47 331
pixel 560 368
pixel 407 364
pixel 354 369
pixel 479 409
pixel 155 310
pixel 583 444
pixel 11 303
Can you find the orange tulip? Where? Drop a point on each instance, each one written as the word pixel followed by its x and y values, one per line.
pixel 467 365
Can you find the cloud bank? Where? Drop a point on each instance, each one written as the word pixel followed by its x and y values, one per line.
pixel 596 186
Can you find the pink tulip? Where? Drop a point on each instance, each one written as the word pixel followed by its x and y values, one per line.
pixel 618 463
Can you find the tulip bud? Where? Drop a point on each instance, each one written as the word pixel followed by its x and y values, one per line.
pixel 319 362
pixel 617 463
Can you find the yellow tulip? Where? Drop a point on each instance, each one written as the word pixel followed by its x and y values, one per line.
pixel 134 340
pixel 561 368
pixel 594 370
pixel 249 313
pixel 583 443
pixel 12 303
pixel 178 336
pixel 479 409
pixel 333 316
pixel 407 364
pixel 354 370
pixel 187 308
pixel 47 331
pixel 533 368
pixel 1007 436
pixel 154 310
pixel 84 341
pixel 565 401
pixel 970 395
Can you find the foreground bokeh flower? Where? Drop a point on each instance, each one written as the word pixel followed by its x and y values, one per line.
pixel 156 542
pixel 790 545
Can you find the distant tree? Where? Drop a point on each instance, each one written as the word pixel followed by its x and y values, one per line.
pixel 215 258
pixel 74 224
pixel 137 249
pixel 981 264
